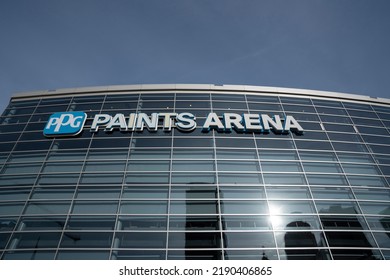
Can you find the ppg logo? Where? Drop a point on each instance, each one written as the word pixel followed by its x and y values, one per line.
pixel 65 124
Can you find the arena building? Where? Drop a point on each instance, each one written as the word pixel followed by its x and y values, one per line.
pixel 194 172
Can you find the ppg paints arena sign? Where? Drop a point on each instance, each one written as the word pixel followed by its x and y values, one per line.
pixel 72 123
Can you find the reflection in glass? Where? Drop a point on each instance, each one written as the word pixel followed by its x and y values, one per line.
pixel 194 207
pixel 193 223
pixel 144 207
pixel 248 240
pixel 290 192
pixel 243 192
pixel 193 192
pixel 246 222
pixel 142 223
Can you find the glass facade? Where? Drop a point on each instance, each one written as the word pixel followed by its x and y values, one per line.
pixel 323 194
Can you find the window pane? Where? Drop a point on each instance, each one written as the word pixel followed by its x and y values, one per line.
pixel 246 223
pixel 194 207
pixel 284 179
pixel 277 166
pixel 98 192
pixel 288 192
pixel 144 207
pixel 244 207
pixel 193 178
pixel 193 154
pixel 150 154
pixel 47 208
pixel 101 207
pixel 142 223
pixel 237 166
pixel 192 165
pixel 53 193
pixel 194 223
pixel 34 240
pixel 140 240
pixel 245 192
pixel 295 222
pixel 375 208
pixel 194 240
pixel 343 222
pixel 91 223
pixel 248 240
pixel 86 240
pixel 194 192
pixel 332 193
pixel 239 178
pixel 290 207
pixel 162 165
pixel 145 192
pixel 372 194
pixel 341 207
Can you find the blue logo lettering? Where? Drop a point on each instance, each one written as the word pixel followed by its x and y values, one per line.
pixel 65 124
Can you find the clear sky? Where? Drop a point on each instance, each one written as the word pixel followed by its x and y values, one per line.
pixel 335 45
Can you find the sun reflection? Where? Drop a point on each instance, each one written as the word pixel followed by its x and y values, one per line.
pixel 275 217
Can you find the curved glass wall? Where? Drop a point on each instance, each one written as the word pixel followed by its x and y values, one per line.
pixel 323 194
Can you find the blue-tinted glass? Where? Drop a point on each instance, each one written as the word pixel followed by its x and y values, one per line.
pixel 239 178
pixel 29 255
pixel 147 178
pixel 284 179
pixel 331 193
pixel 328 179
pixel 86 240
pixel 83 255
pixel 143 207
pixel 34 240
pixel 145 192
pixel 193 178
pixel 143 223
pixel 91 207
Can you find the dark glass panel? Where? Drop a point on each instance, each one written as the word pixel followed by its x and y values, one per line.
pixel 194 207
pixel 248 240
pixel 91 223
pixel 29 255
pixel 138 255
pixel 343 222
pixel 251 255
pixel 140 240
pixel 72 239
pixel 83 255
pixel 349 239
pixel 193 223
pixel 142 223
pixel 34 240
pixel 41 223
pixel 194 255
pixel 355 254
pixel 194 240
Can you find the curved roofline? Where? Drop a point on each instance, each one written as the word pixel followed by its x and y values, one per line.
pixel 201 87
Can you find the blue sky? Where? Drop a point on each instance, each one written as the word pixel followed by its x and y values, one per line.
pixel 335 45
